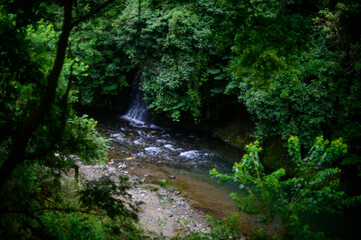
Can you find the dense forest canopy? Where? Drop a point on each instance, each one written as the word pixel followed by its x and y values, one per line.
pixel 290 67
pixel 293 65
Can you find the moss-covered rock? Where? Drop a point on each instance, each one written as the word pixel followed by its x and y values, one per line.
pixel 237 133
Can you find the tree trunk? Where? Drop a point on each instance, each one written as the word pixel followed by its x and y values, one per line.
pixel 18 150
pixel 21 139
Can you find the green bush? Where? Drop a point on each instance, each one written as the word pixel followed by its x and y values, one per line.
pixel 279 201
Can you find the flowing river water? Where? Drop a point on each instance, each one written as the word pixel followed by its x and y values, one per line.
pixel 159 153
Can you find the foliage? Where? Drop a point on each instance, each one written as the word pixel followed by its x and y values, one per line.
pixel 100 194
pixel 342 37
pixel 40 134
pixel 300 103
pixel 313 189
pixel 52 208
pixel 227 228
pixel 267 38
pixel 18 93
pixel 167 184
pixel 58 225
pixel 84 140
pixel 65 211
pixel 170 46
pixel 293 85
pixel 95 43
pixel 294 65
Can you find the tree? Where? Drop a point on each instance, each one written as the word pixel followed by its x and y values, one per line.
pixel 314 188
pixel 40 134
pixel 24 133
pixel 96 44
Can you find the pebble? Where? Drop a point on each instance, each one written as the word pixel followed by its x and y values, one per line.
pixel 122 166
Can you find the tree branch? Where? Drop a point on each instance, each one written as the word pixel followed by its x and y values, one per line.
pixel 58 131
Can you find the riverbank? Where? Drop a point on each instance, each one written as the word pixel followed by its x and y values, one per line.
pixel 162 211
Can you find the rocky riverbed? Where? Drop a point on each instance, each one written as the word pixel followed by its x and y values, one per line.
pixel 162 210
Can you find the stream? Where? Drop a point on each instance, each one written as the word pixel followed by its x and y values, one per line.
pixel 185 160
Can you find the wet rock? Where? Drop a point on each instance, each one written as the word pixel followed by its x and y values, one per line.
pixel 171 177
pixel 122 166
pixel 153 150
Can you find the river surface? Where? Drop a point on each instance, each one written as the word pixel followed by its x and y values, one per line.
pixel 161 153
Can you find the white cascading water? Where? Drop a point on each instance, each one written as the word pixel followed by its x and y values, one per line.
pixel 137 111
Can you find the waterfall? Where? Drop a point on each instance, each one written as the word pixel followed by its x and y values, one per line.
pixel 137 111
